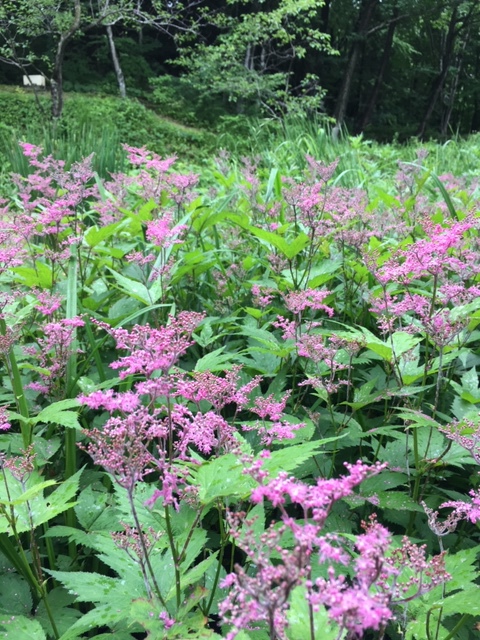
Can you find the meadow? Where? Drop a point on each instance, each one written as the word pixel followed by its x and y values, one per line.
pixel 239 389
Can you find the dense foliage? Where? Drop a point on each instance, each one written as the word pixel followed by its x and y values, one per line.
pixel 241 404
pixel 384 67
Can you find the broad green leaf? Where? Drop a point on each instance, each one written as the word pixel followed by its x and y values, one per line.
pixel 298 617
pixel 68 419
pixel 462 566
pixel 91 508
pixel 296 245
pixel 465 601
pixel 384 481
pixel 22 628
pixel 91 587
pixel 123 307
pixel 363 395
pixel 222 477
pixel 470 385
pixel 32 508
pixel 65 616
pixel 95 235
pixel 198 571
pixel 40 276
pixel 255 313
pixel 289 458
pixel 29 494
pixel 103 615
pixel 216 360
pixel 322 273
pixel 271 238
pixel 399 343
pixel 397 500
pixel 134 288
pixel 15 596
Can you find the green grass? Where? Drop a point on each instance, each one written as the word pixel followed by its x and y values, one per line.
pixel 92 124
pixel 100 124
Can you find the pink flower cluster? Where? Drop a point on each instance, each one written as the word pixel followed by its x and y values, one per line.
pixel 447 260
pixel 355 605
pixel 53 353
pixel 155 428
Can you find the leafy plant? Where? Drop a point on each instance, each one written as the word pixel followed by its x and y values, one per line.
pixel 238 405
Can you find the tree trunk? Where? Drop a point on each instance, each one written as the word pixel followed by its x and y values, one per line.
pixel 475 115
pixel 366 11
pixel 325 17
pixel 439 81
pixel 116 63
pixel 450 101
pixel 387 50
pixel 56 81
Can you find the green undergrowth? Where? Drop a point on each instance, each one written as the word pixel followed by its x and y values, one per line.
pixel 244 398
pixel 92 124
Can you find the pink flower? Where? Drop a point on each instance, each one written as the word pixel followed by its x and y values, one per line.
pixel 4 420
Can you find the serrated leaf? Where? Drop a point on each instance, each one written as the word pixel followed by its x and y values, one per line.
pixel 470 384
pixel 397 500
pixel 22 628
pixel 104 615
pixel 17 496
pixel 198 571
pixel 95 235
pixel 32 507
pixel 91 504
pixel 65 616
pixel 216 360
pixel 15 596
pixel 88 586
pixel 465 601
pixel 222 477
pixel 289 458
pixel 56 413
pixel 462 567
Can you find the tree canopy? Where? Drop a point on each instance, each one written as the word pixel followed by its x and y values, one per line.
pixel 386 67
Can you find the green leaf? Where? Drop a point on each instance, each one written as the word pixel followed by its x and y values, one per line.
pixel 22 628
pixel 103 615
pixel 289 458
pixel 95 235
pixel 322 273
pixel 397 500
pixel 31 492
pixel 15 596
pixel 399 343
pixel 470 385
pixel 462 567
pixel 298 617
pixel 222 477
pixel 215 361
pixel 295 246
pixel 56 413
pixel 465 601
pixel 93 512
pixel 64 615
pixel 90 586
pixel 123 307
pixel 132 287
pixel 198 571
pixel 273 239
pixel 31 507
pixel 40 276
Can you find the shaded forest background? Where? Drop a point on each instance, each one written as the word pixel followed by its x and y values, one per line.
pixel 388 68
